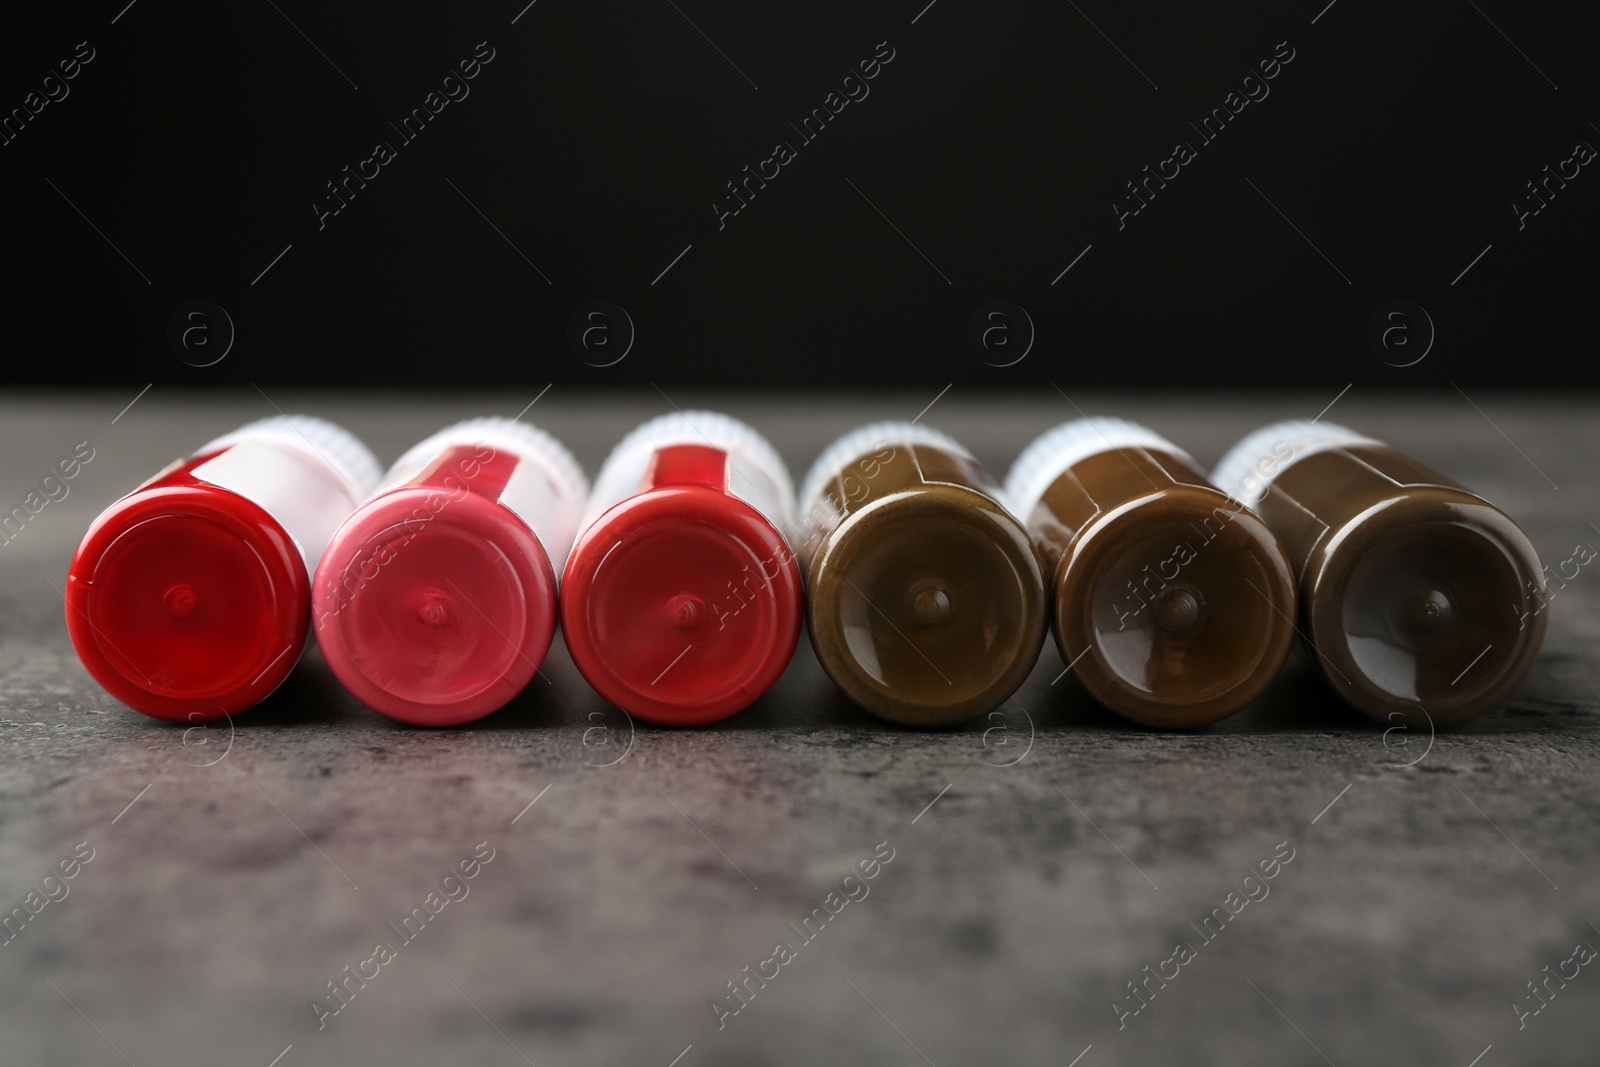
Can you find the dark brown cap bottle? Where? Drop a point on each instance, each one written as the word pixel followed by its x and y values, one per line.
pixel 1173 604
pixel 1416 595
pixel 925 600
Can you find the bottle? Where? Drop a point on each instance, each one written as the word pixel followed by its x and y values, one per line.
pixel 435 603
pixel 1421 602
pixel 190 598
pixel 682 598
pixel 1173 606
pixel 926 603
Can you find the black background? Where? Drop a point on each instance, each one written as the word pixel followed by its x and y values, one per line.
pixel 997 140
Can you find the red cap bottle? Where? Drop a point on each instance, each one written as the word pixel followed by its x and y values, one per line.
pixel 435 602
pixel 190 598
pixel 682 597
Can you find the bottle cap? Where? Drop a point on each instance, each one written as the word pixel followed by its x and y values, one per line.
pixel 682 604
pixel 927 606
pixel 434 609
pixel 1431 604
pixel 187 602
pixel 1176 609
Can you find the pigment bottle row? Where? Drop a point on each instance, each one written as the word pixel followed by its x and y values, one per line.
pixel 683 577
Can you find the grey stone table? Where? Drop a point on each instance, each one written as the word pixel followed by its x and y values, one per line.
pixel 1041 860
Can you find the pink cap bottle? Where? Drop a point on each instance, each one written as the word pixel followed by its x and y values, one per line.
pixel 435 602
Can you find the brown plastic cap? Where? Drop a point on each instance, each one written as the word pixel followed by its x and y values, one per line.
pixel 1426 607
pixel 927 607
pixel 1176 609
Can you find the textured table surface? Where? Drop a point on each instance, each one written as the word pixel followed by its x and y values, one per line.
pixel 238 870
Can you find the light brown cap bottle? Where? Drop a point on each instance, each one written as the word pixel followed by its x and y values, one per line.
pixel 1421 601
pixel 925 601
pixel 1174 606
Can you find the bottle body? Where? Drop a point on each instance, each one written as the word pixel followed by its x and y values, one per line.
pixel 682 597
pixel 435 602
pixel 1420 600
pixel 189 598
pixel 1173 606
pixel 926 602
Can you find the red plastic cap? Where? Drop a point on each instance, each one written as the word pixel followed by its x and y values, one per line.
pixel 187 602
pixel 432 610
pixel 681 605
